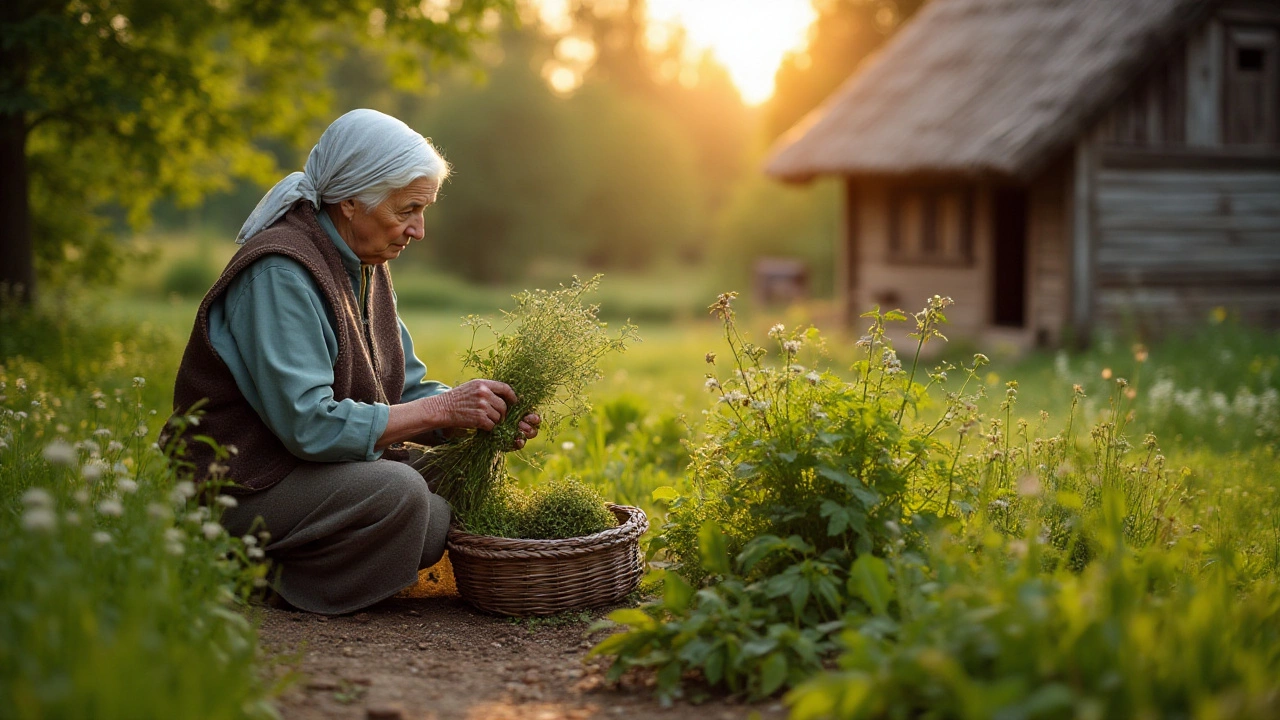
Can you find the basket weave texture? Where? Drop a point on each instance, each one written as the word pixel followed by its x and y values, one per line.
pixel 543 577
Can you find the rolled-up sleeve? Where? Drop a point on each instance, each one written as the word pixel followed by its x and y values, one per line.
pixel 284 353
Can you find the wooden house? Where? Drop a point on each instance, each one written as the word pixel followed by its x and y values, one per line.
pixel 1059 165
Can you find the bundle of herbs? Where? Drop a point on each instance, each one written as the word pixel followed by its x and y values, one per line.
pixel 548 349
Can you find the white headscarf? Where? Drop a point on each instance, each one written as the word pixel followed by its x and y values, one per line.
pixel 357 152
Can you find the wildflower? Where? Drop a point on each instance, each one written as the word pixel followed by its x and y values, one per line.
pixel 777 330
pixel 813 377
pixel 760 405
pixel 72 518
pixel 174 535
pixel 211 530
pixel 733 397
pixel 227 501
pixel 127 486
pixel 1029 486
pixel 20 415
pixel 139 382
pixel 185 489
pixel 92 471
pixel 711 358
pixel 37 497
pixel 218 469
pixel 141 431
pixel 102 432
pixel 21 384
pixel 721 306
pixel 980 359
pixel 791 347
pixel 59 452
pixel 156 511
pixel 1077 390
pixel 39 519
pixel 81 496
pixel 712 384
pixel 101 537
pixel 115 446
pixel 174 548
pixel 120 469
pixel 249 540
pixel 199 515
pixel 111 507
pixel 255 553
pixel 864 341
pixel 232 450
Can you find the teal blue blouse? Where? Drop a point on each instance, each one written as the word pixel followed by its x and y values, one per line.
pixel 274 330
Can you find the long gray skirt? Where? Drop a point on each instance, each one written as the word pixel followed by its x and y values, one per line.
pixel 345 535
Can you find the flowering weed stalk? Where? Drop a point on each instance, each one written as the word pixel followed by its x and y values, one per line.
pixel 548 350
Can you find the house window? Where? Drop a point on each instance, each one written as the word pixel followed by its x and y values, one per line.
pixel 1251 98
pixel 931 225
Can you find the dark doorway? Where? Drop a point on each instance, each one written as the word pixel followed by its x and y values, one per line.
pixel 1009 276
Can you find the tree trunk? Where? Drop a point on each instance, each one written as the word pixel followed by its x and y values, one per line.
pixel 17 257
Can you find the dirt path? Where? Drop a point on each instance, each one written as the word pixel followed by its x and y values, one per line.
pixel 438 659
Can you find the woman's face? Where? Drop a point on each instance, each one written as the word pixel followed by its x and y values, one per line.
pixel 380 234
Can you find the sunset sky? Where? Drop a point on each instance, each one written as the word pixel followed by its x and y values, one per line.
pixel 749 37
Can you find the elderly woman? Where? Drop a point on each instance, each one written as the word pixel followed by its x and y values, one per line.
pixel 300 362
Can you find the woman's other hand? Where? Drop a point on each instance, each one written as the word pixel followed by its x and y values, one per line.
pixel 477 404
pixel 528 430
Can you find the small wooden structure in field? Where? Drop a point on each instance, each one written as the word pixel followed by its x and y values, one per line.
pixel 1055 165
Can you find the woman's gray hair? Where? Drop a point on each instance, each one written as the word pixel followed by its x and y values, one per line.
pixel 365 154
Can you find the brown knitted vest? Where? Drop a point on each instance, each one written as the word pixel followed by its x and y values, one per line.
pixel 369 368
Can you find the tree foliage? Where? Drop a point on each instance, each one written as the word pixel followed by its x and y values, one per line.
pixel 107 105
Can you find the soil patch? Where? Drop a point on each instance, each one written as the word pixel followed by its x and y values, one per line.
pixel 436 658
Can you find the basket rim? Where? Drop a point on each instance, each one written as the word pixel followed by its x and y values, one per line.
pixel 635 524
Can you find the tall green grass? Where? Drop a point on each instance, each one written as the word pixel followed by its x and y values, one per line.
pixel 120 595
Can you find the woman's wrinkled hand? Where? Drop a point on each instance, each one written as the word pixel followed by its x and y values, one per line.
pixel 528 430
pixel 478 404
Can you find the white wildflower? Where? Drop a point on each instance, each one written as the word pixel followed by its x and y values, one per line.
pixel 864 341
pixel 120 469
pixel 211 530
pixel 174 548
pixel 182 492
pixel 141 431
pixel 72 518
pixel 198 515
pixel 227 501
pixel 20 415
pixel 101 537
pixel 111 507
pixel 37 497
pixel 813 377
pixel 115 446
pixel 567 445
pixel 733 398
pixel 791 347
pixel 712 384
pixel 174 535
pixel 255 553
pixel 777 330
pixel 92 470
pixel 102 432
pixel 249 540
pixel 81 496
pixel 59 452
pixel 139 382
pixel 21 384
pixel 760 405
pixel 127 486
pixel 39 519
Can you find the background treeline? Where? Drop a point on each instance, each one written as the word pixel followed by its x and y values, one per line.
pixel 577 149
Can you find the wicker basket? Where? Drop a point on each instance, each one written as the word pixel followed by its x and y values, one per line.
pixel 544 577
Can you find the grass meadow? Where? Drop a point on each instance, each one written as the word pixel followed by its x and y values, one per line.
pixel 120 596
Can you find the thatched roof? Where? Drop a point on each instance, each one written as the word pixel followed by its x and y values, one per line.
pixel 983 86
